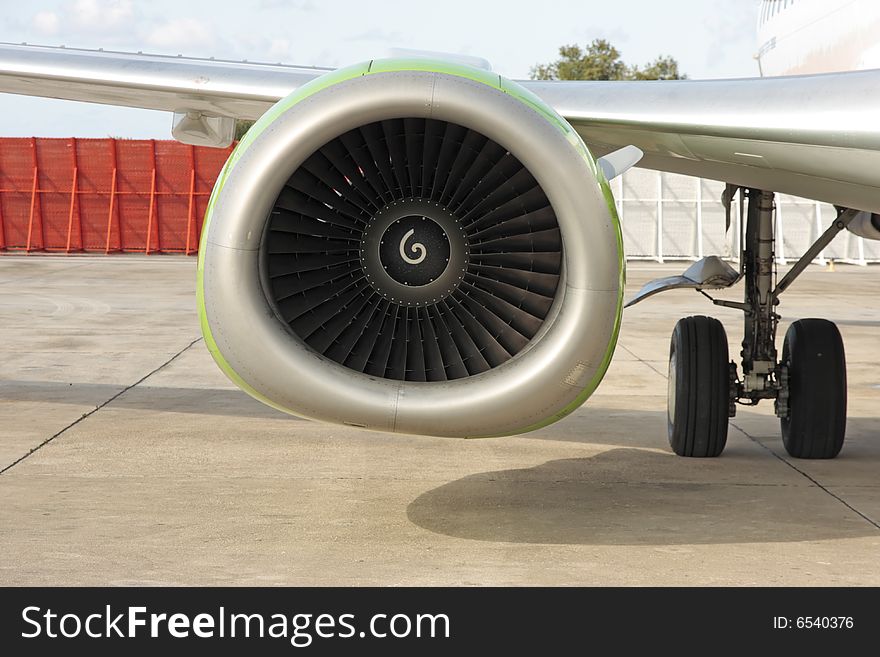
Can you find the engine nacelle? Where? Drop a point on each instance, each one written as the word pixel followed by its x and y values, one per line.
pixel 865 224
pixel 413 246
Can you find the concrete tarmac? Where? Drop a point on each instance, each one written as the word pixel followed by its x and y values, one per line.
pixel 128 458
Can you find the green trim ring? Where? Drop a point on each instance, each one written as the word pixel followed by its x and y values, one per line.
pixel 492 80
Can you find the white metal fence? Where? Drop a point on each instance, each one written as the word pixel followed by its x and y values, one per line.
pixel 667 216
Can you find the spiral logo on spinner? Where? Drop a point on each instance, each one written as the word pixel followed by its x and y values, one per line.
pixel 418 247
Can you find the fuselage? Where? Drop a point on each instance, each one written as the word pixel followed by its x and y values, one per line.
pixel 797 37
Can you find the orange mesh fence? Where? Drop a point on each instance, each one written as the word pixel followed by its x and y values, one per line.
pixel 104 195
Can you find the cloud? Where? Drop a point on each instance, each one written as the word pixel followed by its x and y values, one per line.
pixel 180 33
pixel 295 5
pixel 729 27
pixel 279 49
pixel 111 21
pixel 46 22
pixel 614 35
pixel 327 58
pixel 130 25
pixel 101 15
pixel 379 34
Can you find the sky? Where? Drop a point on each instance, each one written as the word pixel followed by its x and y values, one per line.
pixel 709 38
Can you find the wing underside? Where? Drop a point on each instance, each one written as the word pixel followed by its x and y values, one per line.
pixel 812 136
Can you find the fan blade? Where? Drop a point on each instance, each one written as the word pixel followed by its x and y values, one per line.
pixel 545 240
pixel 286 264
pixel 472 358
pixel 350 156
pixel 295 201
pixel 284 221
pixel 541 219
pixel 366 342
pixel 375 138
pixel 396 143
pixel 538 282
pixel 490 349
pixel 415 142
pixel 344 342
pixel 322 169
pixel 434 370
pixel 452 138
pixel 285 286
pixel 467 153
pixel 433 141
pixel 485 161
pixel 534 304
pixel 329 331
pixel 298 243
pixel 378 361
pixel 453 359
pixel 524 322
pixel 305 182
pixel 504 334
pixel 415 353
pixel 548 263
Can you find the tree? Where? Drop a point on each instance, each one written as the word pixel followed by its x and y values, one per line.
pixel 662 68
pixel 602 61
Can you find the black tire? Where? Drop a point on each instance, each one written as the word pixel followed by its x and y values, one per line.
pixel 699 388
pixel 816 422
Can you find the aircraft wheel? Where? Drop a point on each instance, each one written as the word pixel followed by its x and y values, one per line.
pixel 816 422
pixel 699 387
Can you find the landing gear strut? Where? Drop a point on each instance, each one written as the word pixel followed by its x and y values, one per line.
pixel 808 382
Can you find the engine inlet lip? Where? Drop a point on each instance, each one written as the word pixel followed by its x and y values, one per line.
pixel 414 295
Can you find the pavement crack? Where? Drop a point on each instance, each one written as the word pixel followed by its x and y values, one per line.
pixel 807 476
pixel 99 407
pixel 641 360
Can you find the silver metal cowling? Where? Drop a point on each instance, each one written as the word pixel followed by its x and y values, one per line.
pixel 541 383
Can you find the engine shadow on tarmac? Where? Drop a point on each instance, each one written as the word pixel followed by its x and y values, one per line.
pixel 203 401
pixel 608 500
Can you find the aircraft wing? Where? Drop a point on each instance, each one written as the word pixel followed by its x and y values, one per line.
pixel 813 136
pixel 175 84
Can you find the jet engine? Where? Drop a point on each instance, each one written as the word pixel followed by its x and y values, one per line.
pixel 413 246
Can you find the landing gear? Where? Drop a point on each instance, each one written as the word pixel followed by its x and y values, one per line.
pixel 699 387
pixel 813 357
pixel 808 384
